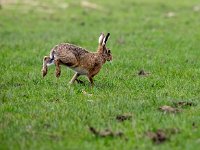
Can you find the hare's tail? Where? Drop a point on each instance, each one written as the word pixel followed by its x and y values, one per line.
pixel 52 57
pixel 47 61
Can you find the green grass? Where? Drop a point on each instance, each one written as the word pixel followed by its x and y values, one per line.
pixel 37 113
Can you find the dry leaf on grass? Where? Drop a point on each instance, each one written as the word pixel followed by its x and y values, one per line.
pixel 169 109
pixel 121 41
pixel 196 8
pixel 87 4
pixel 170 14
pixel 85 93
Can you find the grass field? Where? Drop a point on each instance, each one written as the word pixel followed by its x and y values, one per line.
pixel 159 37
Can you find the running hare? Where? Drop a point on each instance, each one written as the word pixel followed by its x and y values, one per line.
pixel 78 59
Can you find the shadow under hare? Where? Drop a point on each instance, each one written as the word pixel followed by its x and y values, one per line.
pixel 78 59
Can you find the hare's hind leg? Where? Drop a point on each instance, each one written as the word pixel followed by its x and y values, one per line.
pixel 58 68
pixel 47 61
pixel 91 80
pixel 76 75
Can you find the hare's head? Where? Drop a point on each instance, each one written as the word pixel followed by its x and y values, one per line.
pixel 106 52
pixel 108 55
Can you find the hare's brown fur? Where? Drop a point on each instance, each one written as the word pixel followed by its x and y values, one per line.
pixel 78 59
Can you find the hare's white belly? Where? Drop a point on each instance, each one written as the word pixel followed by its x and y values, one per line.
pixel 80 70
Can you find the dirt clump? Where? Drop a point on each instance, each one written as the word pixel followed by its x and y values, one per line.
pixel 158 136
pixel 123 117
pixel 143 73
pixel 105 133
pixel 161 135
pixel 183 104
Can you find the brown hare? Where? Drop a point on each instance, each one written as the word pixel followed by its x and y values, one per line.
pixel 78 59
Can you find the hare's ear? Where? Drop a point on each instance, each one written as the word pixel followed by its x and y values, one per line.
pixel 101 39
pixel 106 39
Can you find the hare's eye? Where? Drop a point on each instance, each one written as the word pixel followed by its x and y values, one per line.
pixel 109 51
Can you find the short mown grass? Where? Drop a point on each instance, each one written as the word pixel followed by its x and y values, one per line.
pixel 161 38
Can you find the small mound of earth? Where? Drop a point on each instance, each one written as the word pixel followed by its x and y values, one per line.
pixel 143 73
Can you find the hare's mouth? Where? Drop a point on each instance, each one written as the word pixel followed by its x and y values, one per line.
pixel 109 59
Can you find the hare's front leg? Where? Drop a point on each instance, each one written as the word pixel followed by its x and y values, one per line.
pixel 58 69
pixel 91 80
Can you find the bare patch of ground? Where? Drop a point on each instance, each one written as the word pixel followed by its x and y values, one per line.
pixel 5 2
pixel 170 14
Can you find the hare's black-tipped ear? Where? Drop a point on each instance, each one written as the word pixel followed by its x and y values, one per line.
pixel 106 38
pixel 101 38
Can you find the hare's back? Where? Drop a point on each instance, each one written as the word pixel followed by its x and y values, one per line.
pixel 66 48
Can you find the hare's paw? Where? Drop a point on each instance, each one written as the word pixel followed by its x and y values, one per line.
pixel 44 72
pixel 58 74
